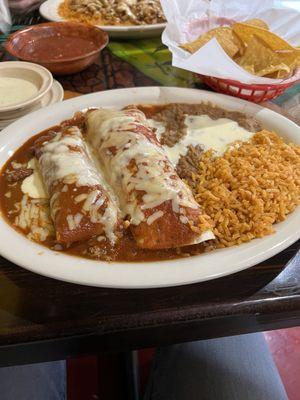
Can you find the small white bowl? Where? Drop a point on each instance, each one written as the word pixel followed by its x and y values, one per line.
pixel 34 73
pixel 54 95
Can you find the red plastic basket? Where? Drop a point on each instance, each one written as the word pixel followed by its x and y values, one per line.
pixel 254 93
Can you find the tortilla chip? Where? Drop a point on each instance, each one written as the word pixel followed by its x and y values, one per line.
pixel 260 60
pixel 257 22
pixel 223 34
pixel 290 58
pixel 245 33
pixel 240 44
pixel 279 71
pixel 278 74
pixel 253 47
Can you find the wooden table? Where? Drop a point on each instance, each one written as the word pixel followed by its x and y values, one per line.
pixel 43 319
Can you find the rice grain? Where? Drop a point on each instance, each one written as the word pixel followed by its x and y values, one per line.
pixel 249 188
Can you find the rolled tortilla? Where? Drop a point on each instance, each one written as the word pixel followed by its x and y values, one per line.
pixel 80 205
pixel 160 207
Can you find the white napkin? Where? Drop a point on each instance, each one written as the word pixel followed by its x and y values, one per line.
pixel 188 19
pixel 5 19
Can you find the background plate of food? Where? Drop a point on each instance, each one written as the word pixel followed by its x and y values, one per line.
pixel 126 19
pixel 62 190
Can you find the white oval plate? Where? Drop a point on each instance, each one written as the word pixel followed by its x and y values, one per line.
pixel 39 259
pixel 49 11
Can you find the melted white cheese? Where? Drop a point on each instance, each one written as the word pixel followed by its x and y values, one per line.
pixel 157 215
pixel 210 134
pixel 33 185
pixel 15 90
pixel 34 215
pixel 158 127
pixel 65 158
pixel 152 175
pixel 60 163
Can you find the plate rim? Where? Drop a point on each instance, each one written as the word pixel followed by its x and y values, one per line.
pixel 145 278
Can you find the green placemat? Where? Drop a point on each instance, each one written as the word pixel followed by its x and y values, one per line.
pixel 152 58
pixel 13 29
pixel 287 95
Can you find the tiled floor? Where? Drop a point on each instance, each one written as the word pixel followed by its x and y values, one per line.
pixel 285 348
pixel 84 374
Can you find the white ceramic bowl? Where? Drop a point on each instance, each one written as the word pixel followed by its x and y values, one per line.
pixel 54 95
pixel 34 73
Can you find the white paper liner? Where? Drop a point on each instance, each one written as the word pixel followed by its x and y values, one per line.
pixel 188 19
pixel 5 19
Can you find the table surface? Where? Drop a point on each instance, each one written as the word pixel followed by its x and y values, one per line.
pixel 44 319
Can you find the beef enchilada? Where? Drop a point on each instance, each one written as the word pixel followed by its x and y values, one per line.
pixel 161 209
pixel 80 205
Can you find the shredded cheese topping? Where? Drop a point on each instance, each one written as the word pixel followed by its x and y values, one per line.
pixel 154 217
pixel 151 181
pixel 65 159
pixel 34 216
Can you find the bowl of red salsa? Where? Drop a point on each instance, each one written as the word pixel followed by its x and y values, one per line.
pixel 62 47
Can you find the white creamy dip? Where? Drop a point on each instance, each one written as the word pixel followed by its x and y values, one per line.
pixel 15 90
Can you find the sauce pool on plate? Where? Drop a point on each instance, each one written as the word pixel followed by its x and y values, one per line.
pixel 15 90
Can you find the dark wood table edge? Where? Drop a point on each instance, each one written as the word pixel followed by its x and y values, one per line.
pixel 153 336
